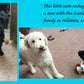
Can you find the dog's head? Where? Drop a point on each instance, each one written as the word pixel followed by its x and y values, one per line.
pixel 36 41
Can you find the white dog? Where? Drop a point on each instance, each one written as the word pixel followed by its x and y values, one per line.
pixel 34 50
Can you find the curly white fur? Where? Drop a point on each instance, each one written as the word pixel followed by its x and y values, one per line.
pixel 34 50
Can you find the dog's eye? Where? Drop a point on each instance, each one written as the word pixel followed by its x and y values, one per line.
pixel 39 38
pixel 33 41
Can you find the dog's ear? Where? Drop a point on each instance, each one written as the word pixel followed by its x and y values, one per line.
pixel 45 39
pixel 26 42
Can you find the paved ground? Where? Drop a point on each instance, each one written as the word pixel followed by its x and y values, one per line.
pixel 8 62
pixel 64 50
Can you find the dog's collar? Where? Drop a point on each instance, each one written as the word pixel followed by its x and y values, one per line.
pixel 21 37
pixel 82 66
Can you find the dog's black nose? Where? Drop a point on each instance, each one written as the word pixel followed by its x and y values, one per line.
pixel 41 48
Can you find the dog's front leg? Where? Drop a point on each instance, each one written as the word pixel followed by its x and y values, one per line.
pixel 32 69
pixel 55 72
pixel 46 72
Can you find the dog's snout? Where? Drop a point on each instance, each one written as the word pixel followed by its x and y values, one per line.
pixel 41 48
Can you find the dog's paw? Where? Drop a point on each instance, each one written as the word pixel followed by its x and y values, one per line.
pixel 33 71
pixel 59 76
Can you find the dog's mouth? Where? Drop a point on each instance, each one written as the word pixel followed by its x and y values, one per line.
pixel 43 49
